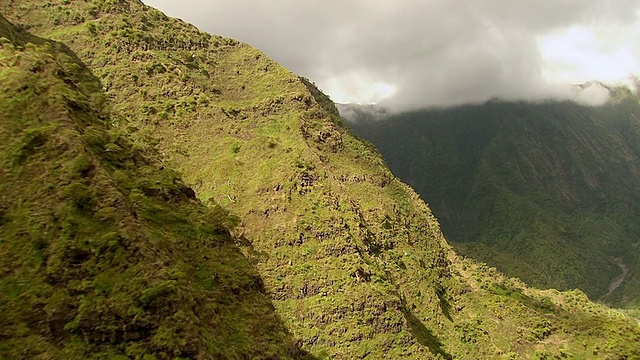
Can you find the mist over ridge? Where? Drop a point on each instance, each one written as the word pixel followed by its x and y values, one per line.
pixel 419 54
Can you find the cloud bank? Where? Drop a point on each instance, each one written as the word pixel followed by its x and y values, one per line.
pixel 419 53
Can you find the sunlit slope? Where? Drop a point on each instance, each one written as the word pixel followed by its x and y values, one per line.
pixel 104 253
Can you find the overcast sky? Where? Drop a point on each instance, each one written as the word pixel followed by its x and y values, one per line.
pixel 408 54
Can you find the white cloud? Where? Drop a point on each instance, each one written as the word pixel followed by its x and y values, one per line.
pixel 581 53
pixel 416 53
pixel 358 87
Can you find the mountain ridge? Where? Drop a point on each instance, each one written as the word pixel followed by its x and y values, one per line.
pixel 104 253
pixel 561 168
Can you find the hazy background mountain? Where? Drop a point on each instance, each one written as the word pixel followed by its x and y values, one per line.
pixel 547 192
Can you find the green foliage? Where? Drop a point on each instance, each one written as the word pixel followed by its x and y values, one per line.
pixel 100 245
pixel 545 192
pixel 81 166
pixel 31 141
pixel 80 194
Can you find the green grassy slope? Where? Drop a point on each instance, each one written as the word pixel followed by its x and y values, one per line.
pixel 545 192
pixel 103 253
pixel 353 260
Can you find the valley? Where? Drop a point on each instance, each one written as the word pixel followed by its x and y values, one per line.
pixel 615 284
pixel 543 191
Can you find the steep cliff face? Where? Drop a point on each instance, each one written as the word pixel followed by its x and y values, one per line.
pixel 546 192
pixel 104 252
pixel 352 259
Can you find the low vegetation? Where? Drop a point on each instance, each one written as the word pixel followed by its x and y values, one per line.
pixel 105 253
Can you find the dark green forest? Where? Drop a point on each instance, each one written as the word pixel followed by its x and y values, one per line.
pixel 547 192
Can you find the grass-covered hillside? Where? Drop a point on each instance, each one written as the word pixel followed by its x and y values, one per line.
pixel 352 259
pixel 546 192
pixel 104 253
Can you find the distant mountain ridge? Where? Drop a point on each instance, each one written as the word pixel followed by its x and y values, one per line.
pixel 352 260
pixel 545 191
